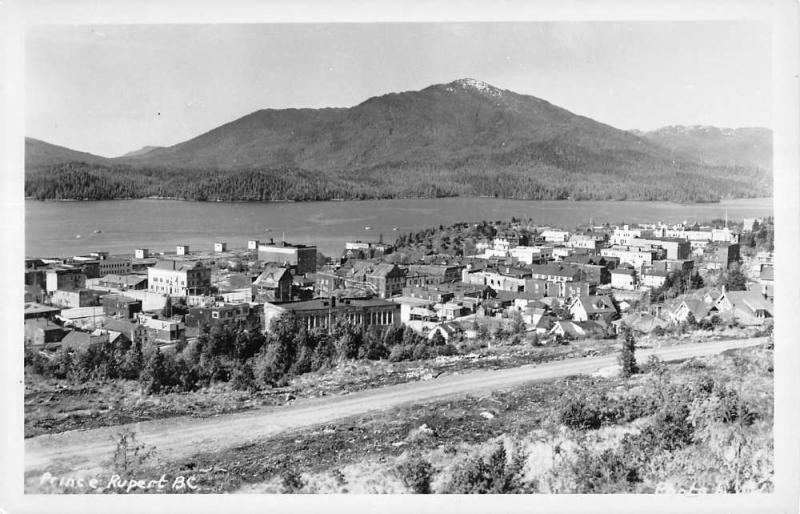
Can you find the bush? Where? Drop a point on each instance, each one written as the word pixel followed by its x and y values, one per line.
pixel 579 414
pixel 420 351
pixel 447 350
pixel 493 475
pixel 416 474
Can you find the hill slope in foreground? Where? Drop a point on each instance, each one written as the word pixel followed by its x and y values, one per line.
pixel 461 138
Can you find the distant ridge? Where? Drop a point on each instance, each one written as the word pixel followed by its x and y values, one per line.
pixel 141 151
pixel 748 146
pixel 465 137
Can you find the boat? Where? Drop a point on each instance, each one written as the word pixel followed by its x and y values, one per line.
pixel 77 236
pixel 98 231
pixel 395 229
pixel 367 228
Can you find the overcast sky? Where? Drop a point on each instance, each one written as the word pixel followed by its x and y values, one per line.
pixel 109 89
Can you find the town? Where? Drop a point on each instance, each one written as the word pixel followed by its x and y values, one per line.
pixel 460 283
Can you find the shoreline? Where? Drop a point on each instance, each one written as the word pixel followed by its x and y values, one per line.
pixel 567 200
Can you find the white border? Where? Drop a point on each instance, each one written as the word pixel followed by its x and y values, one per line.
pixel 782 15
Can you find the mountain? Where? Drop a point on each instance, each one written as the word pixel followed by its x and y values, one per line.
pixel 39 154
pixel 141 151
pixel 749 147
pixel 463 119
pixel 462 138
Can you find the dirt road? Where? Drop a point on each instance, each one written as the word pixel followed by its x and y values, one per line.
pixel 184 436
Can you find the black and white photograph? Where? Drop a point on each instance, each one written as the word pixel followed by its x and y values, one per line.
pixel 345 257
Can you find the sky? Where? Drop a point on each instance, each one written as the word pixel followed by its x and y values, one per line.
pixel 110 89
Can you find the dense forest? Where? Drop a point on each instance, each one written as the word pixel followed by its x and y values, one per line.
pixel 512 178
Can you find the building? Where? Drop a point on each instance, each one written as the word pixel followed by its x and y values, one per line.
pixel 141 253
pixel 633 255
pixel 76 298
pixel 119 306
pixel 179 278
pixel 33 310
pixel 65 279
pixel 43 333
pixel 654 277
pixel 163 331
pixel 432 274
pixel 222 314
pixel 119 282
pixel 321 312
pixel 386 280
pixel 252 244
pixel 274 284
pixel 593 308
pixel 301 257
pixel 721 255
pixel 114 266
pixel 623 278
pixel 555 236
pixel 220 246
pixel 182 250
pixel 675 248
pixel 532 254
pixel 586 242
pixel 623 236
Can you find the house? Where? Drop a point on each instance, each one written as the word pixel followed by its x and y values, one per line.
pixel 654 278
pixel 274 284
pixel 182 250
pixel 749 308
pixel 179 278
pixel 449 331
pixel 133 331
pixel 141 253
pixel 220 246
pixel 641 322
pixel 623 236
pixel 82 340
pixel 623 278
pixel 578 329
pixel 593 308
pixel 451 310
pixel 681 307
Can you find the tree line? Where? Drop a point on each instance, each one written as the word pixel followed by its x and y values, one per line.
pixel 505 178
pixel 241 355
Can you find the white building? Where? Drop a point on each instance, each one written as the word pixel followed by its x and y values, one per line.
pixel 182 249
pixel 555 236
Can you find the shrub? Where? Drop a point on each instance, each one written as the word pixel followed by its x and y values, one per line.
pixel 291 480
pixel 493 475
pixel 416 474
pixel 420 351
pixel 577 413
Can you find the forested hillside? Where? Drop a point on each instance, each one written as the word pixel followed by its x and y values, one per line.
pixel 462 138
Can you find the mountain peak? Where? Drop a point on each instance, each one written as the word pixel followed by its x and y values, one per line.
pixel 474 85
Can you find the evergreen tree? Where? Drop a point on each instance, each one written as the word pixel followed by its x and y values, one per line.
pixel 627 356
